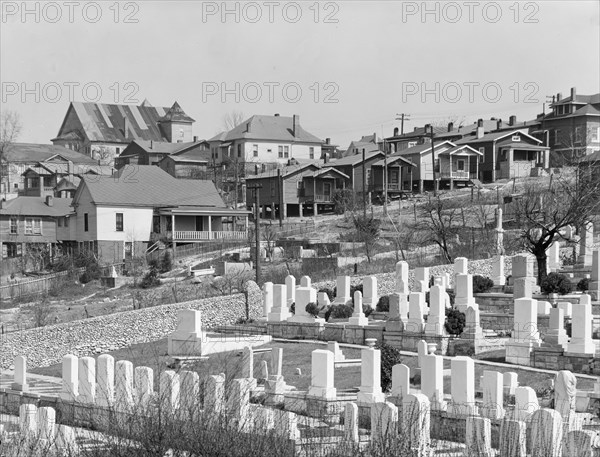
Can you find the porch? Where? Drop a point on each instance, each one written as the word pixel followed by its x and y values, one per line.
pixel 518 162
pixel 459 164
pixel 194 225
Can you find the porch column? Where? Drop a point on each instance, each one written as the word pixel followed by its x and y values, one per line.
pixel 300 210
pixel 173 226
pixel 209 228
pixel 510 157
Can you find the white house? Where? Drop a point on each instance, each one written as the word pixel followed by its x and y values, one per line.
pixel 266 139
pixel 118 217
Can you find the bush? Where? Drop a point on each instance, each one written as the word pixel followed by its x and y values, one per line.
pixel 390 356
pixel 293 308
pixel 383 305
pixel 583 285
pixel 340 311
pixel 166 263
pixel 313 309
pixel 481 284
pixel 330 292
pixel 556 283
pixel 455 321
pixel 85 277
pixel 367 310
pixel 353 289
pixel 150 279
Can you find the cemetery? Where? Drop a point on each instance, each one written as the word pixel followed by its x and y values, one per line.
pixel 461 384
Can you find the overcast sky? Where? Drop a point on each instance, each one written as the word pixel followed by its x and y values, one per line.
pixel 356 63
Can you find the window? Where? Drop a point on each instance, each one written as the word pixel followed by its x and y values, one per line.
pixel 119 222
pixel 10 250
pixel 368 176
pixel 85 222
pixel 272 189
pixel 286 151
pixel 280 152
pixel 48 181
pixel 118 151
pixel 255 150
pixel 239 149
pixel 66 221
pixel 412 143
pixel 578 134
pixel 300 184
pixel 557 136
pixel 482 156
pixel 60 221
pixel 436 165
pixel 128 249
pixel 33 226
pixel 311 152
pixel 516 138
pixel 14 224
pixel 595 134
pixel 460 165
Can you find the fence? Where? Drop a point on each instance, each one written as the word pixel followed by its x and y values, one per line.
pixel 43 284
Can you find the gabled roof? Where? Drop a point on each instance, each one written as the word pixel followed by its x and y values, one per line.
pixel 194 155
pixel 105 122
pixel 149 186
pixel 393 158
pixel 326 170
pixel 31 152
pixel 36 206
pixel 158 147
pixel 587 110
pixel 422 148
pixel 458 149
pixel 355 159
pixel 270 128
pixel 368 146
pixel 176 114
pixel 286 171
pixel 61 168
pixel 495 136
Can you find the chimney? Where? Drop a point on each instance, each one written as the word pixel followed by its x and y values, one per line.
pixel 2 203
pixel 125 126
pixel 70 169
pixel 296 128
pixel 151 144
pixel 247 127
pixel 573 93
pixel 326 157
pixel 276 114
pixel 558 97
pixel 512 120
pixel 498 124
pixel 375 138
pixel 395 131
pixel 479 132
pixel 450 126
pixel 49 200
pixel 195 139
pixel 327 140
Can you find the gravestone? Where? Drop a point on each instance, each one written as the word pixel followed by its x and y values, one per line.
pixel 351 423
pixel 280 311
pixel 70 377
pixel 105 387
pixel 422 279
pixel 370 376
pixel 304 296
pixel 46 423
pixel 594 287
pixel 464 292
pixel 546 433
pixel 499 232
pixel 370 296
pixel 526 403
pixel 553 254
pixel 322 375
pixel 20 378
pixel 400 381
pixel 169 393
pixel 402 277
pixel 358 317
pixel 510 382
pixel 472 329
pixel 461 267
pixel 27 419
pixel 581 328
pixel 334 347
pixel 437 312
pixel 290 287
pixel 415 424
pixel 416 306
pixel 432 380
pixel 124 399
pixel 186 340
pixel 398 313
pixel 144 386
pixel 586 245
pixel 275 384
pixel 305 281
pixel 513 436
pixel 556 334
pixel 267 298
pixel 498 271
pixel 493 392
pixel 422 350
pixel 525 335
pixel 462 377
pixel 565 393
pixel 478 437
pixel 384 423
pixel 343 291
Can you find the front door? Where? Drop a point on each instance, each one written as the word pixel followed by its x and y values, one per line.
pixel 327 191
pixel 199 223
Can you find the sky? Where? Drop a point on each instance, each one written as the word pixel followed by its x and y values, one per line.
pixel 347 68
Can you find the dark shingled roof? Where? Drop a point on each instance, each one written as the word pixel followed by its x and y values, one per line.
pixel 36 206
pixel 277 128
pixel 149 185
pixel 176 114
pixel 30 152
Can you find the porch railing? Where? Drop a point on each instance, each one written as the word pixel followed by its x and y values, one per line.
pixel 458 175
pixel 202 236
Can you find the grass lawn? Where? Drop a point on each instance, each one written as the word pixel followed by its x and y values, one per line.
pixel 298 355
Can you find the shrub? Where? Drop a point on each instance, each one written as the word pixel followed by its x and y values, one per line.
pixel 390 356
pixel 383 305
pixel 150 279
pixel 353 289
pixel 367 310
pixel 166 263
pixel 583 285
pixel 481 284
pixel 313 309
pixel 293 308
pixel 341 311
pixel 85 277
pixel 556 283
pixel 455 321
pixel 329 291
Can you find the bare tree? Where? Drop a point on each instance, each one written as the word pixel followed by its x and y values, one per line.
pixel 270 236
pixel 10 129
pixel 232 119
pixel 542 213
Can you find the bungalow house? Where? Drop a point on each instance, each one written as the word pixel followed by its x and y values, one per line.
pixel 353 166
pixel 16 158
pixel 141 152
pixel 29 224
pixel 454 165
pixel 103 131
pixel 396 167
pixel 119 217
pixel 507 154
pixel 266 139
pixel 295 188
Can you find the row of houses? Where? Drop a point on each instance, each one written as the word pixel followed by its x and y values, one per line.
pixel 118 179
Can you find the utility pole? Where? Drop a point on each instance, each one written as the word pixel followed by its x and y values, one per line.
pixel 364 170
pixel 402 117
pixel 281 196
pixel 435 190
pixel 236 177
pixel 385 178
pixel 256 189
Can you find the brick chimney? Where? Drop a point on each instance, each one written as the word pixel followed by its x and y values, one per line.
pixel 558 97
pixel 151 144
pixel 327 140
pixel 296 126
pixel 49 200
pixel 396 130
pixel 375 138
pixel 125 126
pixel 498 124
pixel 512 120
pixel 480 131
pixel 247 127
pixel 450 126
pixel 195 139
pixel 573 93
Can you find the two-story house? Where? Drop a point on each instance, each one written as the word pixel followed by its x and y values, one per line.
pixel 142 152
pixel 118 217
pixel 572 126
pixel 18 157
pixel 103 131
pixel 507 154
pixel 296 189
pixel 29 224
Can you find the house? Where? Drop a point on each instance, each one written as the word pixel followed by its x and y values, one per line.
pixel 329 150
pixel 589 167
pixel 103 131
pixel 396 167
pixel 118 217
pixel 572 126
pixel 354 166
pixel 453 164
pixel 29 225
pixel 189 164
pixel 370 143
pixel 58 179
pixel 296 189
pixel 18 157
pixel 141 152
pixel 507 154
pixel 266 139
